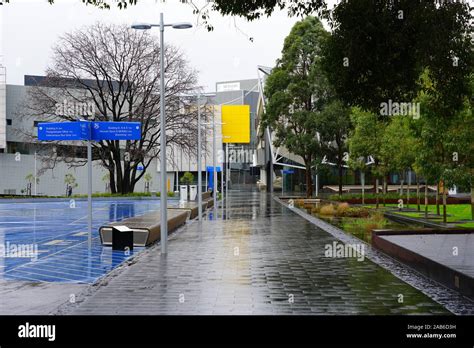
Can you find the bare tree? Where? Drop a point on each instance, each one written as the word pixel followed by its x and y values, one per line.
pixel 109 72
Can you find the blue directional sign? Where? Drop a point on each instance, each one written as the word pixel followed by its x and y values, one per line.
pixel 211 169
pixel 210 179
pixel 116 131
pixel 63 131
pixel 288 171
pixel 86 130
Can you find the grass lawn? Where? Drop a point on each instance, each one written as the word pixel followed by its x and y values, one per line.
pixel 456 212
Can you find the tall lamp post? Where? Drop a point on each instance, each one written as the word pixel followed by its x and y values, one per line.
pixel 163 194
pixel 199 152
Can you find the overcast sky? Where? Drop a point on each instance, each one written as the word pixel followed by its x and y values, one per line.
pixel 29 28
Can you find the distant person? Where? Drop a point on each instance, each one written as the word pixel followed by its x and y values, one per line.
pixel 69 191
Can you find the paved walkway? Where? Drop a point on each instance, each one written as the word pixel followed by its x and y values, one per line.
pixel 261 259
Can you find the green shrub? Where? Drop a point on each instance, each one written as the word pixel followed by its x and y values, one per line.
pixel 187 178
pixel 371 195
pixel 342 208
pixel 316 209
pixel 299 203
pixel 358 212
pixel 374 222
pixel 327 210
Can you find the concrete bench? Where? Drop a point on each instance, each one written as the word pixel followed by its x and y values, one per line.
pixel 207 198
pixel 191 207
pixel 146 228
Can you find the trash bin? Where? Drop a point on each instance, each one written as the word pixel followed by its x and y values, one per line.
pixel 192 192
pixel 183 193
pixel 122 238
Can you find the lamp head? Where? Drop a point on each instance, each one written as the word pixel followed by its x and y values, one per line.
pixel 141 26
pixel 182 25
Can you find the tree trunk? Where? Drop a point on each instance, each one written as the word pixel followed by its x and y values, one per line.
pixel 402 182
pixel 418 194
pixel 437 200
pixel 309 180
pixel 112 183
pixel 362 181
pixel 408 194
pixel 444 202
pixel 340 177
pixel 384 190
pixel 377 193
pixel 126 179
pixel 426 200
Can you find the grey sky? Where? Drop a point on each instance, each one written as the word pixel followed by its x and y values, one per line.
pixel 29 28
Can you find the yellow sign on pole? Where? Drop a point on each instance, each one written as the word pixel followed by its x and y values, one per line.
pixel 236 124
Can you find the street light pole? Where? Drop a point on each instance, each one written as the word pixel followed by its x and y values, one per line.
pixel 214 160
pixel 89 189
pixel 199 166
pixel 36 177
pixel 163 193
pixel 227 165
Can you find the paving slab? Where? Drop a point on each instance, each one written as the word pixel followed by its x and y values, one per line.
pixel 452 250
pixel 255 257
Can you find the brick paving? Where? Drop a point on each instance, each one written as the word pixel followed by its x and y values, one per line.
pixel 261 258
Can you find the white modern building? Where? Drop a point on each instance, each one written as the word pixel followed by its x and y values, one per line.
pixel 21 158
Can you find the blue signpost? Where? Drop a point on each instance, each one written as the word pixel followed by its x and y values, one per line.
pixel 89 131
pixel 79 130
pixel 116 131
pixel 63 131
pixel 210 170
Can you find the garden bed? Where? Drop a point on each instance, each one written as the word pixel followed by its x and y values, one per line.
pixel 355 220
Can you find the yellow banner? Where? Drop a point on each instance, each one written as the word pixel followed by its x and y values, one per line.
pixel 236 124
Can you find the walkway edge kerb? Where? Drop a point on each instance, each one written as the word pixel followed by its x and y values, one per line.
pixel 450 299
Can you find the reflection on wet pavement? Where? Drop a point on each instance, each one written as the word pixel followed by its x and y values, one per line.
pixel 260 259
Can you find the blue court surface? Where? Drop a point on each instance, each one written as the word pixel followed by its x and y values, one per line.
pixel 47 241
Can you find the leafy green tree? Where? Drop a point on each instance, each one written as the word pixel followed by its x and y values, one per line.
pixel 399 147
pixel 70 181
pixel 461 137
pixel 148 179
pixel 296 91
pixel 445 154
pixel 188 178
pixel 30 178
pixel 366 141
pixel 334 125
pixel 435 153
pixel 378 49
pixel 250 10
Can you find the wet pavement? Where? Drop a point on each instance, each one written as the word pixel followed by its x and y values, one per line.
pixel 255 257
pixel 47 241
pixel 451 250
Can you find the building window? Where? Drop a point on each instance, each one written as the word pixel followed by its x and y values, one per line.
pixel 9 121
pixel 35 123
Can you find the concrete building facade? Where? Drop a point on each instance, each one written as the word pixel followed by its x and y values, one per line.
pixel 20 156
